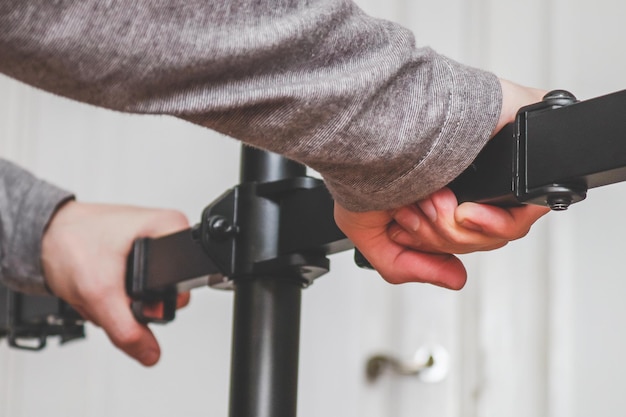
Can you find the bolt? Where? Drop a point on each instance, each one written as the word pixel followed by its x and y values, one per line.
pixel 220 228
pixel 559 203
pixel 559 98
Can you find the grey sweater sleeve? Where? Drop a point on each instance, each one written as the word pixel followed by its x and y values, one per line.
pixel 26 206
pixel 318 81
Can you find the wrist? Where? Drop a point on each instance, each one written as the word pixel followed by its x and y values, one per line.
pixel 515 96
pixel 52 239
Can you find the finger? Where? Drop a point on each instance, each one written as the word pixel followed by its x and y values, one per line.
pixel 136 340
pixel 504 223
pixel 153 311
pixel 404 238
pixel 439 231
pixel 394 262
pixel 440 208
pixel 165 222
pixel 156 310
pixel 397 264
pixel 410 218
pixel 440 205
pixel 421 230
pixel 443 270
pixel 182 299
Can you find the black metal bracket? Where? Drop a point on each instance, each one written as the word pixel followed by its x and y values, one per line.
pixel 551 155
pixel 554 152
pixel 27 320
pixel 270 236
pixel 236 239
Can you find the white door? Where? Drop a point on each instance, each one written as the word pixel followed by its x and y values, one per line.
pixel 534 333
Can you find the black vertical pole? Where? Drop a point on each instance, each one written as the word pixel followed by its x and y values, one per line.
pixel 266 321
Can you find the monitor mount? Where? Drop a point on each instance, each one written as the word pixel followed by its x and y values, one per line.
pixel 253 240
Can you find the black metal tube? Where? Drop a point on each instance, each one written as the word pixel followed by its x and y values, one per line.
pixel 266 319
pixel 261 166
pixel 266 332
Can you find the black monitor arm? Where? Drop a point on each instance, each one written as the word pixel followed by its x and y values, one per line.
pixel 269 237
pixel 551 155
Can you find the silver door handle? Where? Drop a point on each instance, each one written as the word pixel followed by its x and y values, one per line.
pixel 429 364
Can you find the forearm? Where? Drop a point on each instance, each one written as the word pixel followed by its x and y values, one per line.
pixel 26 206
pixel 385 123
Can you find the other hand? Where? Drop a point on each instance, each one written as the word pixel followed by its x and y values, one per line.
pixel 84 252
pixel 417 242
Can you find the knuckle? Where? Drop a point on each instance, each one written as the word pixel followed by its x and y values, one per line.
pixel 175 218
pixel 127 338
pixel 521 233
pixel 158 222
pixel 180 218
pixel 388 276
pixel 460 239
pixel 94 288
pixel 88 290
pixel 393 280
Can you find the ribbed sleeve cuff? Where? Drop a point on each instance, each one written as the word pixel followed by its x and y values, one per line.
pixel 474 102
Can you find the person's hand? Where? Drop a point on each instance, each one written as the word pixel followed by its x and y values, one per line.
pixel 84 251
pixel 438 225
pixel 514 97
pixel 395 262
pixel 416 243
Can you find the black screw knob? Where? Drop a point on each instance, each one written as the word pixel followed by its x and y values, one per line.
pixel 559 203
pixel 220 228
pixel 559 98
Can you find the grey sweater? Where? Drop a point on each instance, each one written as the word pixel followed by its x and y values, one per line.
pixel 318 81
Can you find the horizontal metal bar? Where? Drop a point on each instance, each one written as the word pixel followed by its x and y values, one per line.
pixel 584 142
pixel 551 155
pixel 164 263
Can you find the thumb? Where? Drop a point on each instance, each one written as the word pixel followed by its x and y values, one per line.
pixel 126 333
pixel 504 223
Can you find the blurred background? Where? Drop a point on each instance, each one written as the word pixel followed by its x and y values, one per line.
pixel 537 331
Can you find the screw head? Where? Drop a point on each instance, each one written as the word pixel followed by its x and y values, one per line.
pixel 559 98
pixel 220 228
pixel 559 203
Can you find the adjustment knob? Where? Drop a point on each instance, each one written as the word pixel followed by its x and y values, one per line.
pixel 559 98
